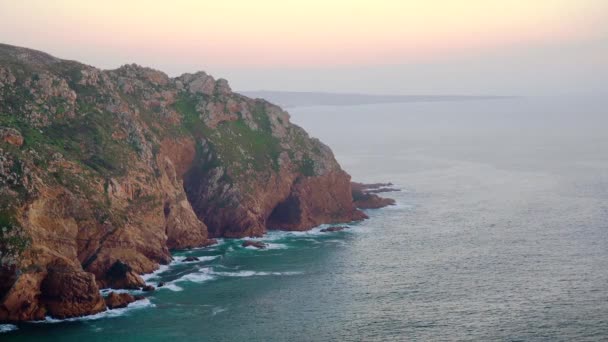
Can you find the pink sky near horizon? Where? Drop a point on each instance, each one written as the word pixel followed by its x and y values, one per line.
pixel 438 46
pixel 298 33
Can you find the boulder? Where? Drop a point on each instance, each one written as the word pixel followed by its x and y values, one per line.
pixel 191 259
pixel 118 300
pixel 148 288
pixel 70 293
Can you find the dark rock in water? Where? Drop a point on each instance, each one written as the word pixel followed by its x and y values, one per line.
pixel 118 300
pixel 333 229
pixel 362 186
pixel 139 297
pixel 364 195
pixel 191 259
pixel 380 190
pixel 256 244
pixel 148 288
pixel 161 284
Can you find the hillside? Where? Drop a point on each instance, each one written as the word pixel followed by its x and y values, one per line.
pixel 103 172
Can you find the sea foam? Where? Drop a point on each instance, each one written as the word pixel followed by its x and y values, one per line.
pixel 140 304
pixel 4 328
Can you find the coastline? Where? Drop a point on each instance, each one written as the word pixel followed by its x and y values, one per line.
pixel 203 275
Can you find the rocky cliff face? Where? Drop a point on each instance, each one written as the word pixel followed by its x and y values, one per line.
pixel 103 172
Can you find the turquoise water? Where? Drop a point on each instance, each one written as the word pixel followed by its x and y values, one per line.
pixel 500 233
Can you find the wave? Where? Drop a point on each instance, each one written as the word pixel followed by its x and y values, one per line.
pixel 161 269
pixel 180 259
pixel 203 275
pixel 197 277
pixel 217 310
pixel 170 287
pixel 4 328
pixel 109 289
pixel 252 273
pixel 281 234
pixel 269 246
pixel 140 304
pixel 176 261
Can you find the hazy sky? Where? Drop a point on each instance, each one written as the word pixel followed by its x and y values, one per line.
pixel 371 46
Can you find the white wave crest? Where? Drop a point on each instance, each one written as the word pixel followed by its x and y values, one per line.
pixel 180 259
pixel 170 287
pixel 4 328
pixel 252 273
pixel 140 304
pixel 161 269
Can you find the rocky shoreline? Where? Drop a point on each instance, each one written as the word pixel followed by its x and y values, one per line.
pixel 104 172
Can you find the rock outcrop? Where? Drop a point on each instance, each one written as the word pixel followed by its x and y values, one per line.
pixel 103 172
pixel 365 195
pixel 118 300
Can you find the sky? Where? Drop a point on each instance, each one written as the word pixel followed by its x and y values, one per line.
pixel 508 47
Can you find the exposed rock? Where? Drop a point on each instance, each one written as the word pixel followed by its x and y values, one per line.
pixel 148 288
pixel 22 302
pixel 161 284
pixel 67 293
pixel 118 167
pixel 121 276
pixel 118 300
pixel 333 229
pixel 191 259
pixel 364 195
pixel 314 201
pixel 256 244
pixel 199 82
pixel 11 136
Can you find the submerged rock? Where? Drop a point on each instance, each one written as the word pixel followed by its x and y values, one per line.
pixel 256 244
pixel 333 229
pixel 191 259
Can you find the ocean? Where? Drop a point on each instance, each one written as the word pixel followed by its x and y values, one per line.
pixel 500 233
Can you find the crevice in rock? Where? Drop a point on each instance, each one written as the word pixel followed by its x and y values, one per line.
pixel 287 212
pixel 8 277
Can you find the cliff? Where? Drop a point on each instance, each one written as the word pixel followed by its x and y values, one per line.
pixel 103 172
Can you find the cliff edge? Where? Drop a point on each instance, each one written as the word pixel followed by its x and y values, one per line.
pixel 102 172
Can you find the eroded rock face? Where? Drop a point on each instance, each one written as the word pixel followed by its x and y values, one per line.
pixel 66 292
pixel 102 172
pixel 118 300
pixel 121 276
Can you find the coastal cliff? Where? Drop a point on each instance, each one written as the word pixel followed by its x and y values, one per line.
pixel 103 172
